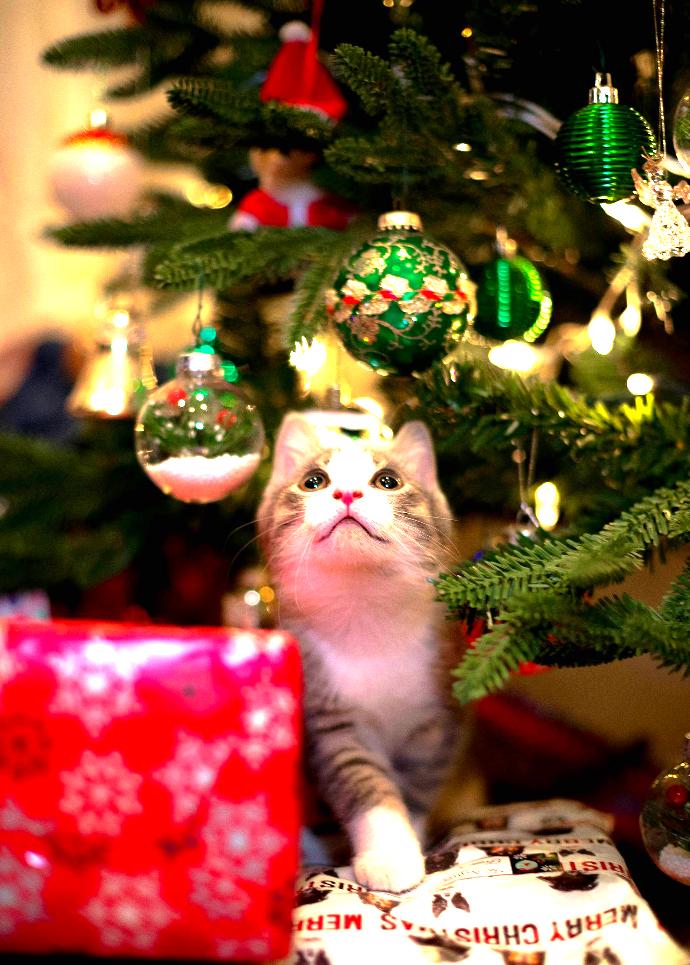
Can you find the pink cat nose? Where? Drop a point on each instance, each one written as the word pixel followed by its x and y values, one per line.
pixel 347 496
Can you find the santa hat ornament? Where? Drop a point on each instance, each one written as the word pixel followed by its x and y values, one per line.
pixel 297 78
pixel 95 174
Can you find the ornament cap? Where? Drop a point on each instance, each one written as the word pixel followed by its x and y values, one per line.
pixel 194 363
pixel 603 91
pixel 392 220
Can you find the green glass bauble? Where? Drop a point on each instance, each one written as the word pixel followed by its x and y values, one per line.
pixel 599 145
pixel 512 301
pixel 400 299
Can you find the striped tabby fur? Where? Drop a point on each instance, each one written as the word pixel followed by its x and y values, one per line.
pixel 352 534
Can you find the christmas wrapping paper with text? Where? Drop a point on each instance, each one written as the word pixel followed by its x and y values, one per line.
pixel 149 782
pixel 529 884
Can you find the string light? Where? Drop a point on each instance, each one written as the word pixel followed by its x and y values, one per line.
pixel 547 501
pixel 639 383
pixel 631 216
pixel 602 332
pixel 516 356
pixel 308 358
pixel 463 147
pixel 98 118
pixel 631 317
pixel 203 195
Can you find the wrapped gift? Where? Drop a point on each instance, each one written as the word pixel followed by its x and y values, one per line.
pixel 149 799
pixel 534 883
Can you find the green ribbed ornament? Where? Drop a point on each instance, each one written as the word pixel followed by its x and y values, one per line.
pixel 401 299
pixel 512 300
pixel 598 146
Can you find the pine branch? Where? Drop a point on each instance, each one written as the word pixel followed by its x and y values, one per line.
pixel 106 48
pixel 368 76
pixel 430 81
pixel 265 255
pixel 172 222
pixel 308 315
pixel 675 607
pixel 243 115
pixel 380 160
pixel 488 665
pixel 559 631
pixel 214 98
pixel 610 455
pixel 569 566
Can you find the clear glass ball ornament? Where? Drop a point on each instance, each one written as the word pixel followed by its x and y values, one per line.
pixel 197 437
pixel 665 820
pixel 681 131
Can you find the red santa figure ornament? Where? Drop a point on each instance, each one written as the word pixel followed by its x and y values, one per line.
pixel 286 196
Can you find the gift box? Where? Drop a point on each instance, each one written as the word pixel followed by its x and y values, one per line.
pixel 149 790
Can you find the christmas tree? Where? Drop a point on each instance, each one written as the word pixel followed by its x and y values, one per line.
pixel 450 114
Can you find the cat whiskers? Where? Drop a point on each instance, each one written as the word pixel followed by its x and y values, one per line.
pixel 439 548
pixel 267 530
pixel 302 562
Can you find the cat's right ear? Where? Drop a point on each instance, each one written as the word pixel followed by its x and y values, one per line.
pixel 296 439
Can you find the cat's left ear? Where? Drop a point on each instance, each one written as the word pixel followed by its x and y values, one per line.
pixel 296 440
pixel 414 447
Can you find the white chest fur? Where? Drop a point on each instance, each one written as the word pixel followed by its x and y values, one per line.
pixel 390 682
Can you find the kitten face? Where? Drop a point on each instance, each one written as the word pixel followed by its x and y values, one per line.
pixel 351 504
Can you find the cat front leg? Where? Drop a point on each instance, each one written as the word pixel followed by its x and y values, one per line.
pixel 359 783
pixel 387 854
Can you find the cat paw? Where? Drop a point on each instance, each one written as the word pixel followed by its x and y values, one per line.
pixel 382 870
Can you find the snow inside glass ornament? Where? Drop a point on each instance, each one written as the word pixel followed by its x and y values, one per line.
pixel 197 438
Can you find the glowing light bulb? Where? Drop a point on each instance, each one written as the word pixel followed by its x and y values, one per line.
pixel 98 117
pixel 639 383
pixel 631 216
pixel 547 502
pixel 602 333
pixel 630 320
pixel 515 355
pixel 308 357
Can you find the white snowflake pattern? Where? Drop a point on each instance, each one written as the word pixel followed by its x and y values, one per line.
pixel 93 686
pixel 12 818
pixel 100 793
pixel 241 647
pixel 20 892
pixel 239 834
pixel 215 890
pixel 128 910
pixel 192 772
pixel 9 665
pixel 268 720
pixel 232 948
pixel 276 643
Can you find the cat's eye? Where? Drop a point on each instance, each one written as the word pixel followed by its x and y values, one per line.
pixel 313 480
pixel 386 479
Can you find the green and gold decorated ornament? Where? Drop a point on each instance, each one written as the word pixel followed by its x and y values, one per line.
pixel 400 300
pixel 512 300
pixel 598 146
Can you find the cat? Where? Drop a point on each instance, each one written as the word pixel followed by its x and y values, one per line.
pixel 352 532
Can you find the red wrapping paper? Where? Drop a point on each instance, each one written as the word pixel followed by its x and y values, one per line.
pixel 149 781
